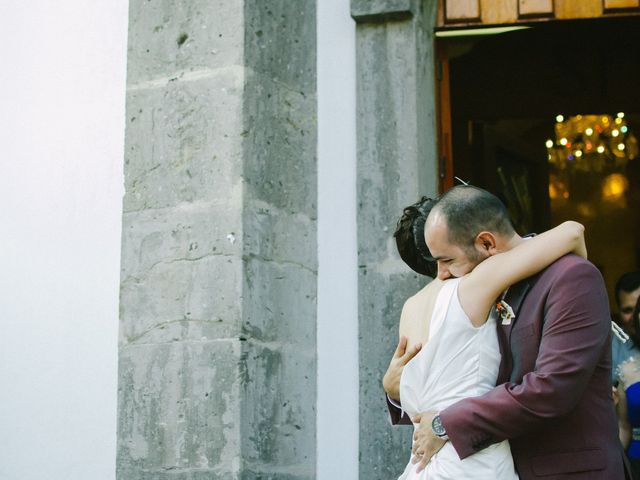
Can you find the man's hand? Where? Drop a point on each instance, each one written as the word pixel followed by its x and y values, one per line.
pixel 402 355
pixel 425 443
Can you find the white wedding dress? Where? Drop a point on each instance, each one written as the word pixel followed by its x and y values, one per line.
pixel 458 361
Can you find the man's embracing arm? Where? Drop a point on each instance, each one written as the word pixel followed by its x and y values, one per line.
pixel 576 329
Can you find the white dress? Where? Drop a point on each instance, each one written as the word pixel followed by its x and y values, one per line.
pixel 458 361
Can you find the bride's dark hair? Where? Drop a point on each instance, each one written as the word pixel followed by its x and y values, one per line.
pixel 409 237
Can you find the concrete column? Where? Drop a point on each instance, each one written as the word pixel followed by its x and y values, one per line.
pixel 278 334
pixel 218 318
pixel 396 164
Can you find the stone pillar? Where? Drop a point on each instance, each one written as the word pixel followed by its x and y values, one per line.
pixel 278 335
pixel 218 318
pixel 396 164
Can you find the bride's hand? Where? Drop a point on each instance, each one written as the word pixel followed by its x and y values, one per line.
pixel 425 443
pixel 402 355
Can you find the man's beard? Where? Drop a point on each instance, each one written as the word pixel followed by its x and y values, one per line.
pixel 476 256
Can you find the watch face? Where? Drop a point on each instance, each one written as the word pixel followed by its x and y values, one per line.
pixel 437 426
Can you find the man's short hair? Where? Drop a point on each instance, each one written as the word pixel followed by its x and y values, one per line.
pixel 628 282
pixel 470 210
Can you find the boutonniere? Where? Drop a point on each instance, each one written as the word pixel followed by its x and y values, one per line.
pixel 505 312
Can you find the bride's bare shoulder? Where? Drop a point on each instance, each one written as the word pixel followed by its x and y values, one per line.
pixel 425 295
pixel 416 313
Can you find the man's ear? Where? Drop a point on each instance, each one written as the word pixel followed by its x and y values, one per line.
pixel 486 242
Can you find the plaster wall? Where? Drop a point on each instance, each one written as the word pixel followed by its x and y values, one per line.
pixel 62 96
pixel 337 337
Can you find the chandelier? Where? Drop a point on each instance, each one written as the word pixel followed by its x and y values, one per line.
pixel 594 149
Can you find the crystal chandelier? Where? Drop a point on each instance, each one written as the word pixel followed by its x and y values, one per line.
pixel 590 148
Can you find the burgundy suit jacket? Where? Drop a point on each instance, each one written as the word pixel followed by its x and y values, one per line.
pixel 553 399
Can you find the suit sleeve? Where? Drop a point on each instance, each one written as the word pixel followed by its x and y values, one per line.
pixel 397 415
pixel 575 333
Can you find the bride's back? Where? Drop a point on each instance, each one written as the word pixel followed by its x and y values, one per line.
pixel 416 313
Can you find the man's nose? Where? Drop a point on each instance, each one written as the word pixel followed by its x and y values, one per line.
pixel 443 272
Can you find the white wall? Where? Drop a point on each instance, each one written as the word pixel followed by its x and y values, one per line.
pixel 62 84
pixel 337 336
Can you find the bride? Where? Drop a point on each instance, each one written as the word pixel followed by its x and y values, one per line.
pixel 455 323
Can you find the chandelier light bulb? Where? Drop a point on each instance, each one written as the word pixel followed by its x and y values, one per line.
pixel 572 153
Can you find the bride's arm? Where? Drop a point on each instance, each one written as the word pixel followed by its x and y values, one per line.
pixel 414 333
pixel 404 352
pixel 479 289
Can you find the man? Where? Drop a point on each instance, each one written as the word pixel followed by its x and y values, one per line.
pixel 627 293
pixel 554 396
pixel 622 347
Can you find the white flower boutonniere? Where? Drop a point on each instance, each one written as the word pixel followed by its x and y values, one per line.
pixel 505 312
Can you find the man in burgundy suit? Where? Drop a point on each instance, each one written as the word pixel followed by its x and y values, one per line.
pixel 553 399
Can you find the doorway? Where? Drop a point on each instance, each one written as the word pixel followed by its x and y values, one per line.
pixel 507 93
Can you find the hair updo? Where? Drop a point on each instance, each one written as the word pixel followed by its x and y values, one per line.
pixel 409 237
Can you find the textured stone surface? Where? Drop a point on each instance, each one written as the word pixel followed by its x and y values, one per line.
pixel 281 301
pixel 181 309
pixel 280 40
pixel 381 10
pixel 179 410
pixel 279 385
pixel 396 164
pixel 181 297
pixel 281 126
pixel 218 291
pixel 279 282
pixel 167 37
pixel 280 109
pixel 181 274
pixel 389 162
pixel 280 236
pixel 382 295
pixel 290 474
pixel 189 232
pixel 183 141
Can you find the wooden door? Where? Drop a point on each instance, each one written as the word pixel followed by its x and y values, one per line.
pixel 500 12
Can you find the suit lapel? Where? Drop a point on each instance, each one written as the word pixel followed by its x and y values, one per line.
pixel 514 298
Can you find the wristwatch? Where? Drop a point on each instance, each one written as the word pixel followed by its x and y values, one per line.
pixel 438 428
